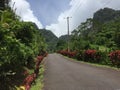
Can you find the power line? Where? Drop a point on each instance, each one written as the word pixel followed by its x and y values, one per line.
pixel 78 6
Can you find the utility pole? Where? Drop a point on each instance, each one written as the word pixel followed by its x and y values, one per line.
pixel 68 48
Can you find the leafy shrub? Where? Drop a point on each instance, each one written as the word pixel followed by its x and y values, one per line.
pixel 103 59
pixel 115 58
pixel 31 78
pixel 63 52
pixel 90 55
pixel 72 54
pixel 39 59
pixel 69 54
pixel 79 55
pixel 95 56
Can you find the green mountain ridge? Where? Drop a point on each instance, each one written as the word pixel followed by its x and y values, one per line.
pixel 50 38
pixel 106 15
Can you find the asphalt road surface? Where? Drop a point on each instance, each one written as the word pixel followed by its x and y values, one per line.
pixel 64 74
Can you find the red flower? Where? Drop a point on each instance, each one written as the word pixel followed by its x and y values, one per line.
pixel 115 57
pixel 27 87
pixel 25 73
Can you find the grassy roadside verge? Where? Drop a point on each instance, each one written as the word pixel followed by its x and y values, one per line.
pixel 38 85
pixel 93 64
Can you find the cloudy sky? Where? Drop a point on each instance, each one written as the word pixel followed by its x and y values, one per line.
pixel 50 14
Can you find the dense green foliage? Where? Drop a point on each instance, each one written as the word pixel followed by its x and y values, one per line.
pixel 62 42
pixel 115 58
pixel 101 31
pixel 20 43
pixel 105 15
pixel 94 39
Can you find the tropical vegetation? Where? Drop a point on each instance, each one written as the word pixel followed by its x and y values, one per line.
pixel 96 40
pixel 20 43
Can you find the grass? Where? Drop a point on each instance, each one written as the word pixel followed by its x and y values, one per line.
pixel 38 85
pixel 93 64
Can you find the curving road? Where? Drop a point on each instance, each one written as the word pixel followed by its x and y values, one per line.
pixel 64 74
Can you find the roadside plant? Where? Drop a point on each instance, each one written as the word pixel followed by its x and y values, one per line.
pixel 115 58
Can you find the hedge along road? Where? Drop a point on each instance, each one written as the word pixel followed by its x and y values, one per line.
pixel 64 74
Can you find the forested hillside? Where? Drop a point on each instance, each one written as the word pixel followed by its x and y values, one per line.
pixel 101 31
pixel 106 15
pixel 63 42
pixel 50 38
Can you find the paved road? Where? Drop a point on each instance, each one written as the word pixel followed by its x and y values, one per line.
pixel 64 74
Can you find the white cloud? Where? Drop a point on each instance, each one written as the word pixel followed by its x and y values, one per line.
pixel 60 27
pixel 24 11
pixel 80 10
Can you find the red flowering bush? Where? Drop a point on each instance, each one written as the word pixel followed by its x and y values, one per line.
pixel 72 54
pixel 27 87
pixel 64 52
pixel 69 54
pixel 31 78
pixel 39 59
pixel 92 56
pixel 28 80
pixel 25 73
pixel 115 58
pixel 89 55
